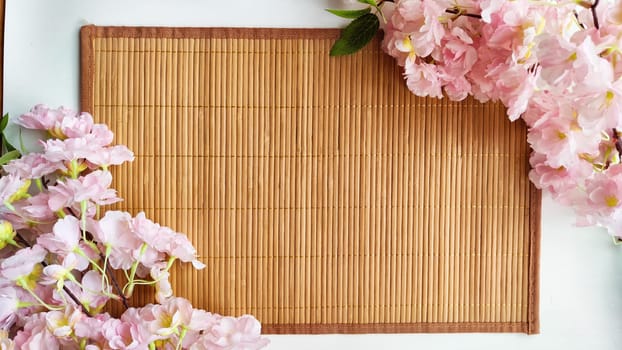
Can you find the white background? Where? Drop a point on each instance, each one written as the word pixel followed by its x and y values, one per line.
pixel 581 276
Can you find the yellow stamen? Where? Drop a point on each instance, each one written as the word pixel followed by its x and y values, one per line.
pixel 574 126
pixel 21 193
pixel 57 134
pixel 29 282
pixel 408 44
pixel 611 201
pixel 609 97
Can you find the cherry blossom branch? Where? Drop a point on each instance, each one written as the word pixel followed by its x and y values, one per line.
pixel 617 142
pixel 594 15
pixel 71 295
pixel 455 11
pixel 115 283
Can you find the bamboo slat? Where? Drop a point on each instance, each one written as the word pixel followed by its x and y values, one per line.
pixel 322 195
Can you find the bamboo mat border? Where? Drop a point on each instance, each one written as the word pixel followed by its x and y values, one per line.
pixel 87 78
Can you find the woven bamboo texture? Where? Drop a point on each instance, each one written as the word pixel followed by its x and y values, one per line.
pixel 321 194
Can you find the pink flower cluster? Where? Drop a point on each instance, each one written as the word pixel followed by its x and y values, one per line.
pixel 555 64
pixel 174 324
pixel 59 252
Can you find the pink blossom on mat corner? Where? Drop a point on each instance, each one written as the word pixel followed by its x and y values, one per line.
pixel 556 67
pixel 232 333
pixel 56 282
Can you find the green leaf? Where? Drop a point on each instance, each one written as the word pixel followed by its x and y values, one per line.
pixel 369 2
pixel 4 122
pixel 9 147
pixel 350 13
pixel 356 35
pixel 7 157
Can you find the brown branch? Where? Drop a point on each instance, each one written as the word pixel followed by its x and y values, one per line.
pixel 617 142
pixel 594 15
pixel 115 283
pixel 455 11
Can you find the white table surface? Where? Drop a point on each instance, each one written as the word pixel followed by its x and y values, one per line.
pixel 581 270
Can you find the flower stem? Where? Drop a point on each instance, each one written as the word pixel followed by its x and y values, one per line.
pixel 184 330
pixel 39 184
pixel 71 295
pixel 34 295
pixel 115 283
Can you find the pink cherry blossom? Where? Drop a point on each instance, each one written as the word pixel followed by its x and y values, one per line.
pixel 91 328
pixel 140 320
pixel 43 118
pixel 423 79
pixel 70 149
pixel 488 7
pixel 114 231
pixel 169 316
pixel 491 65
pixel 561 182
pixel 22 263
pixel 35 334
pixel 121 335
pixel 65 237
pixel 233 333
pixel 33 166
pixel 94 188
pixel 562 140
pixel 430 31
pixel 77 125
pixel 100 135
pixel 89 293
pixel 58 273
pixel 165 240
pixel 36 207
pixel 9 186
pixel 61 323
pixel 457 54
pixel 201 322
pixel 604 193
pixel 9 305
pixel 151 233
pixel 163 287
pixel 76 252
pixel 601 111
pixel 114 155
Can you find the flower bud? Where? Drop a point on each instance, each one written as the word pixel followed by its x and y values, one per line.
pixel 6 233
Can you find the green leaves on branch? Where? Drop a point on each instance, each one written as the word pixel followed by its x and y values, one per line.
pixel 356 35
pixel 350 14
pixel 5 145
pixel 359 32
pixel 3 123
pixel 369 2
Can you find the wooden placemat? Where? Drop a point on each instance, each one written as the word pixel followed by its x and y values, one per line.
pixel 323 196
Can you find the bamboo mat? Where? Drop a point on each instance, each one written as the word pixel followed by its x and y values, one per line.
pixel 321 194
